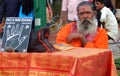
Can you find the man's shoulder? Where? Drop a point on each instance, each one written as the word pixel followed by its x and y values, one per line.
pixel 106 9
pixel 71 23
pixel 101 30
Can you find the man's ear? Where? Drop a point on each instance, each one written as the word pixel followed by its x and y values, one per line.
pixel 77 14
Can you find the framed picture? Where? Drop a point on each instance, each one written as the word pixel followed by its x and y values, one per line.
pixel 16 33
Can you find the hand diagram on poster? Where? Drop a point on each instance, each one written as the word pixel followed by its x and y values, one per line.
pixel 13 35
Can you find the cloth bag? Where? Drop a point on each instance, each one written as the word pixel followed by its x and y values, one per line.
pixel 39 41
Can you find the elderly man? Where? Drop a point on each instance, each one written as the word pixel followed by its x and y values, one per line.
pixel 84 32
pixel 68 10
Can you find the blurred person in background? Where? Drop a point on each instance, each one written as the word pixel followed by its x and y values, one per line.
pixel 49 13
pixel 107 19
pixel 8 8
pixel 27 10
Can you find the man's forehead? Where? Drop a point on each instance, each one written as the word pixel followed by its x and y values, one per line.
pixel 85 8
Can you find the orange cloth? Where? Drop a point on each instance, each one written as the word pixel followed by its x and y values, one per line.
pixel 100 40
pixel 75 62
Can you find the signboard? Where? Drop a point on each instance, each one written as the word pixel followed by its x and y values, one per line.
pixel 16 33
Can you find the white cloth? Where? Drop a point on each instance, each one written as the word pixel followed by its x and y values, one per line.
pixel 71 7
pixel 111 24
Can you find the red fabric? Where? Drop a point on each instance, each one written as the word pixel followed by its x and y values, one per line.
pixel 90 0
pixel 76 62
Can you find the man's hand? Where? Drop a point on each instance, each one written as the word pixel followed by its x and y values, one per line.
pixel 73 36
pixel 80 36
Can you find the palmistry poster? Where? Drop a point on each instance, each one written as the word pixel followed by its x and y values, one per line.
pixel 16 33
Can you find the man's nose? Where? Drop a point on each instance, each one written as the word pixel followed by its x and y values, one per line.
pixel 85 15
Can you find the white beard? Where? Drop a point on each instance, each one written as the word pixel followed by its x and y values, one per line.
pixel 88 27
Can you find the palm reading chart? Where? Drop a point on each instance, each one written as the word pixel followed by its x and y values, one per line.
pixel 16 33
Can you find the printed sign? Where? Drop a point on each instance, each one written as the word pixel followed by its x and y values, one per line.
pixel 16 33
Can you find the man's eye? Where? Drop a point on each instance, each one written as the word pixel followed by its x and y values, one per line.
pixel 81 13
pixel 85 13
pixel 88 12
pixel 96 3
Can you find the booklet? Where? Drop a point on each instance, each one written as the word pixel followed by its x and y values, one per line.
pixel 63 47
